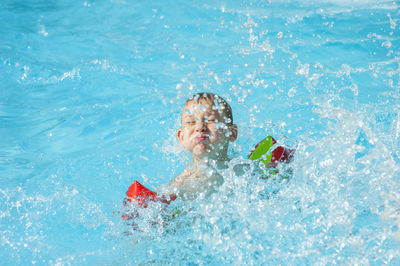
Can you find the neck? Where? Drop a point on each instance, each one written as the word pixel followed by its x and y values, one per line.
pixel 219 162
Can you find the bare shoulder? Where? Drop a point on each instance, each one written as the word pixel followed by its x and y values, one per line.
pixel 180 179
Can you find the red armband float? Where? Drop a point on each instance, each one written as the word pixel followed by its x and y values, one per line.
pixel 142 195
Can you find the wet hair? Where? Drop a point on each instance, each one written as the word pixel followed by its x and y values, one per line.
pixel 215 100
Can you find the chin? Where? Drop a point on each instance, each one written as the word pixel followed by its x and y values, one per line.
pixel 200 148
pixel 201 152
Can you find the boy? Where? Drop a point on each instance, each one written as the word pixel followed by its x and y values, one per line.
pixel 207 129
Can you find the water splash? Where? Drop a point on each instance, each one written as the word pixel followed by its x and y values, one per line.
pixel 80 121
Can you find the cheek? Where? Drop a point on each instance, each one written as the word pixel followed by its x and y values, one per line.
pixel 186 134
pixel 217 133
pixel 218 128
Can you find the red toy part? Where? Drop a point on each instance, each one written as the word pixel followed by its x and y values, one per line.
pixel 282 154
pixel 279 154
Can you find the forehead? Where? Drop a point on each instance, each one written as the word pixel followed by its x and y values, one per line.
pixel 204 107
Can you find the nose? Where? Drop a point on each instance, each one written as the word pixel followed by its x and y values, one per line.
pixel 200 126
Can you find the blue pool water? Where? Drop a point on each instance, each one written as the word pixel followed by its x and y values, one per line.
pixel 90 99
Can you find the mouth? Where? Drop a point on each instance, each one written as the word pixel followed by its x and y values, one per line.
pixel 201 138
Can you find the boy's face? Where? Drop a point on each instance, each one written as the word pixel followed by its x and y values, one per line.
pixel 204 130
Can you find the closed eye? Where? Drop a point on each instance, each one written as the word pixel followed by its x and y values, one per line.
pixel 212 119
pixel 190 122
